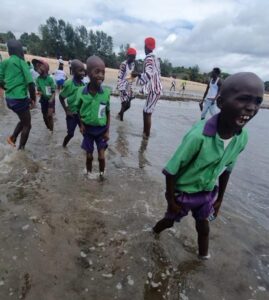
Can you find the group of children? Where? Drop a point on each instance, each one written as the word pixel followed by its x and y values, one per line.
pixel 207 153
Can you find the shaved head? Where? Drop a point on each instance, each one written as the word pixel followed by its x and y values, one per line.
pixel 15 48
pixel 94 62
pixel 243 81
pixel 75 64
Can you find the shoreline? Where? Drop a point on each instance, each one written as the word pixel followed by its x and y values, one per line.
pixel 194 91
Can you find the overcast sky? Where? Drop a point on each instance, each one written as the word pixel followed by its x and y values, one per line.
pixel 230 34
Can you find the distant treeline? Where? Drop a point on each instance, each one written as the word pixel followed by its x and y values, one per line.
pixel 59 38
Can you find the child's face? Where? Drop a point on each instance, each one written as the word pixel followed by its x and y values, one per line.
pixel 79 72
pixel 240 106
pixel 97 75
pixel 41 69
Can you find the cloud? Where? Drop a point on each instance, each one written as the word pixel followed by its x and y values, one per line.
pixel 231 34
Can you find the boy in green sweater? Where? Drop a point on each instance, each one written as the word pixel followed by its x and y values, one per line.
pixel 93 106
pixel 69 92
pixel 16 80
pixel 46 87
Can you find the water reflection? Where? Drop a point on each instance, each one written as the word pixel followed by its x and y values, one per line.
pixel 142 160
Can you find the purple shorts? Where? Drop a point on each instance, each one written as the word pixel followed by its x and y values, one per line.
pixel 18 105
pixel 72 122
pixel 94 134
pixel 201 205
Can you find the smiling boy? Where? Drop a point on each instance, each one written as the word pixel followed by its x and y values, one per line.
pixel 208 153
pixel 93 106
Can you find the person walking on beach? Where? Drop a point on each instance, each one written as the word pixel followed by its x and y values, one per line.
pixel 173 84
pixel 16 80
pixel 151 77
pixel 209 100
pixel 60 76
pixel 183 86
pixel 208 153
pixel 70 66
pixel 46 88
pixel 125 81
pixel 93 106
pixel 69 92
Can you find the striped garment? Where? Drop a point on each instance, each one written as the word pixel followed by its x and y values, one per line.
pixel 151 75
pixel 151 78
pixel 125 86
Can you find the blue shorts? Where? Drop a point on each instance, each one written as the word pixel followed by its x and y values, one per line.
pixel 60 82
pixel 72 122
pixel 94 134
pixel 18 105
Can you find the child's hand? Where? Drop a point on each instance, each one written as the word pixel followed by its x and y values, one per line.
pixel 32 104
pixel 173 207
pixel 69 113
pixel 82 128
pixel 106 136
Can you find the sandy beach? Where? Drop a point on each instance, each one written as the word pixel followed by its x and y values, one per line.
pixel 194 90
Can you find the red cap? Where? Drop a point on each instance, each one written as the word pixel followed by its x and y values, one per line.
pixel 131 51
pixel 150 43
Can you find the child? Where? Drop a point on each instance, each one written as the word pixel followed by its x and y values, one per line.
pixel 183 87
pixel 211 93
pixel 125 81
pixel 60 76
pixel 93 106
pixel 69 91
pixel 46 87
pixel 173 84
pixel 151 77
pixel 16 79
pixel 207 153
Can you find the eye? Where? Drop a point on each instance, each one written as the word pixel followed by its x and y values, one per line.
pixel 259 101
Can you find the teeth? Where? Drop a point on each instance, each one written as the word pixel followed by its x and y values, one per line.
pixel 245 117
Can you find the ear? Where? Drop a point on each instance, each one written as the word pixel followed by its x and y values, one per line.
pixel 219 102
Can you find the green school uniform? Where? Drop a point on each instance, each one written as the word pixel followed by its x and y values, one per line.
pixel 46 86
pixel 93 109
pixel 201 157
pixel 69 91
pixel 16 76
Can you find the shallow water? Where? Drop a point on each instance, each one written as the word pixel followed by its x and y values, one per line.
pixel 64 236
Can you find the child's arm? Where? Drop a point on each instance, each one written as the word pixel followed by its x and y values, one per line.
pixel 65 107
pixel 31 88
pixel 2 83
pixel 106 135
pixel 223 181
pixel 62 96
pixel 170 193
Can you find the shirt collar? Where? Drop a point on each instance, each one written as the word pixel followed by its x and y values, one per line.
pixel 77 82
pixel 210 128
pixel 85 90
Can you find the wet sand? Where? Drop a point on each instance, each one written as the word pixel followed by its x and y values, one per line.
pixel 64 236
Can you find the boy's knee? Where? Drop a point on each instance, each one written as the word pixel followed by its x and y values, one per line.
pixel 89 156
pixel 101 159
